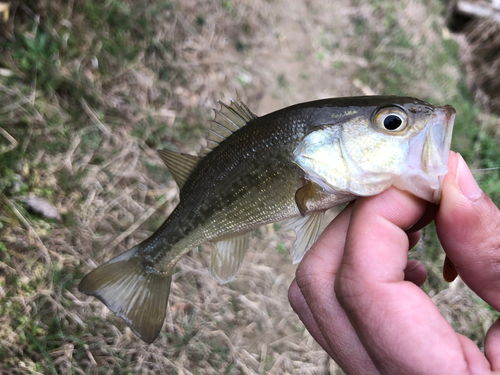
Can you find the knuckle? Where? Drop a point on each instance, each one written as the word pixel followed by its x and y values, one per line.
pixel 314 271
pixel 294 296
pixel 303 276
pixel 346 288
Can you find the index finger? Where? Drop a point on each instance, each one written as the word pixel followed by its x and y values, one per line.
pixel 398 324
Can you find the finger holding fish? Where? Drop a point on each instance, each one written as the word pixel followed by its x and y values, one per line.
pixel 374 316
pixel 316 274
pixel 468 225
pixel 312 297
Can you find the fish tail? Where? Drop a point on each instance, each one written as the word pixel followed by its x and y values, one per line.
pixel 133 291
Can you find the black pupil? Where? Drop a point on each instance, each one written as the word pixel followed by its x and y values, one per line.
pixel 392 122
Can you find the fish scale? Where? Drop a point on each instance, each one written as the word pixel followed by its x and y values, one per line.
pixel 234 182
pixel 291 165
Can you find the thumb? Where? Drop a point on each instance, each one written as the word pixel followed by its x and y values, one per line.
pixel 468 226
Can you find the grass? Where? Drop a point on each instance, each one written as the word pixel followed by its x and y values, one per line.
pixel 89 91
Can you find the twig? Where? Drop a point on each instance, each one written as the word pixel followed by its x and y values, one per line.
pixel 11 107
pixel 28 138
pixel 94 117
pixel 366 90
pixel 10 138
pixel 28 226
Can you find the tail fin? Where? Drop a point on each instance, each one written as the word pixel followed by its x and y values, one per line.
pixel 137 295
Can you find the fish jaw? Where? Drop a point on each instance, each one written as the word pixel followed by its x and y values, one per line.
pixel 428 157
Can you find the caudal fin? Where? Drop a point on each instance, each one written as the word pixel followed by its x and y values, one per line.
pixel 137 295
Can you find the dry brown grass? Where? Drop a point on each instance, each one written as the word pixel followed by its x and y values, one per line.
pixel 89 148
pixel 482 60
pixel 104 179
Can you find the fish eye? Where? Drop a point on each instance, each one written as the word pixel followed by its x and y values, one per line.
pixel 391 119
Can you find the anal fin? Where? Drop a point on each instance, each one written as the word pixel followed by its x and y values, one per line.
pixel 137 295
pixel 307 230
pixel 227 256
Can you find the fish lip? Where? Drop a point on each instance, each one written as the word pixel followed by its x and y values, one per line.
pixel 448 112
pixel 449 108
pixel 428 156
pixel 444 117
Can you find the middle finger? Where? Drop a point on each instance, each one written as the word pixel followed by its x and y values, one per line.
pixel 315 278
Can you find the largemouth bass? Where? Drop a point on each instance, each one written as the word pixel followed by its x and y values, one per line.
pixel 292 164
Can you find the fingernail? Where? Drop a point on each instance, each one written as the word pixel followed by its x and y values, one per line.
pixel 466 182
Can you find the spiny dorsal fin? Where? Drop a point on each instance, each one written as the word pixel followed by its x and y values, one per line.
pixel 136 295
pixel 179 165
pixel 307 230
pixel 227 256
pixel 227 120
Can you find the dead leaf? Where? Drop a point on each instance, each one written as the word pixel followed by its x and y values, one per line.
pixel 42 207
pixel 4 9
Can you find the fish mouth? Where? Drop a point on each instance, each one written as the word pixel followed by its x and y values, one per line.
pixel 428 156
pixel 440 132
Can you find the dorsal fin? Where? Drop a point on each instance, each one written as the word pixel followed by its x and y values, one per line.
pixel 179 165
pixel 227 120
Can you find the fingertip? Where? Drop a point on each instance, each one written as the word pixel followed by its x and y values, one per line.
pixel 413 239
pixel 467 226
pixel 459 184
pixel 415 272
pixel 492 346
pixel 477 363
pixel 465 214
pixel 466 181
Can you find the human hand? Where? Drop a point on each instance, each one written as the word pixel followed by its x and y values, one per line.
pixel 359 296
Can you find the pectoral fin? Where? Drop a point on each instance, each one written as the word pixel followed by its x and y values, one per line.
pixel 302 195
pixel 135 294
pixel 227 256
pixel 312 197
pixel 307 230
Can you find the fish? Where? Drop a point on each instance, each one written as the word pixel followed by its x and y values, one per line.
pixel 290 165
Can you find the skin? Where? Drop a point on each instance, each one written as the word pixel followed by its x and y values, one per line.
pixel 359 296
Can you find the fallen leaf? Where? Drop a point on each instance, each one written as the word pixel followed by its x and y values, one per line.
pixel 42 207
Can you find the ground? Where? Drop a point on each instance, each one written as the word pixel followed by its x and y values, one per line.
pixel 90 91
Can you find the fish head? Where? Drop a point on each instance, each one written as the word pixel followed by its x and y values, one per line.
pixel 378 143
